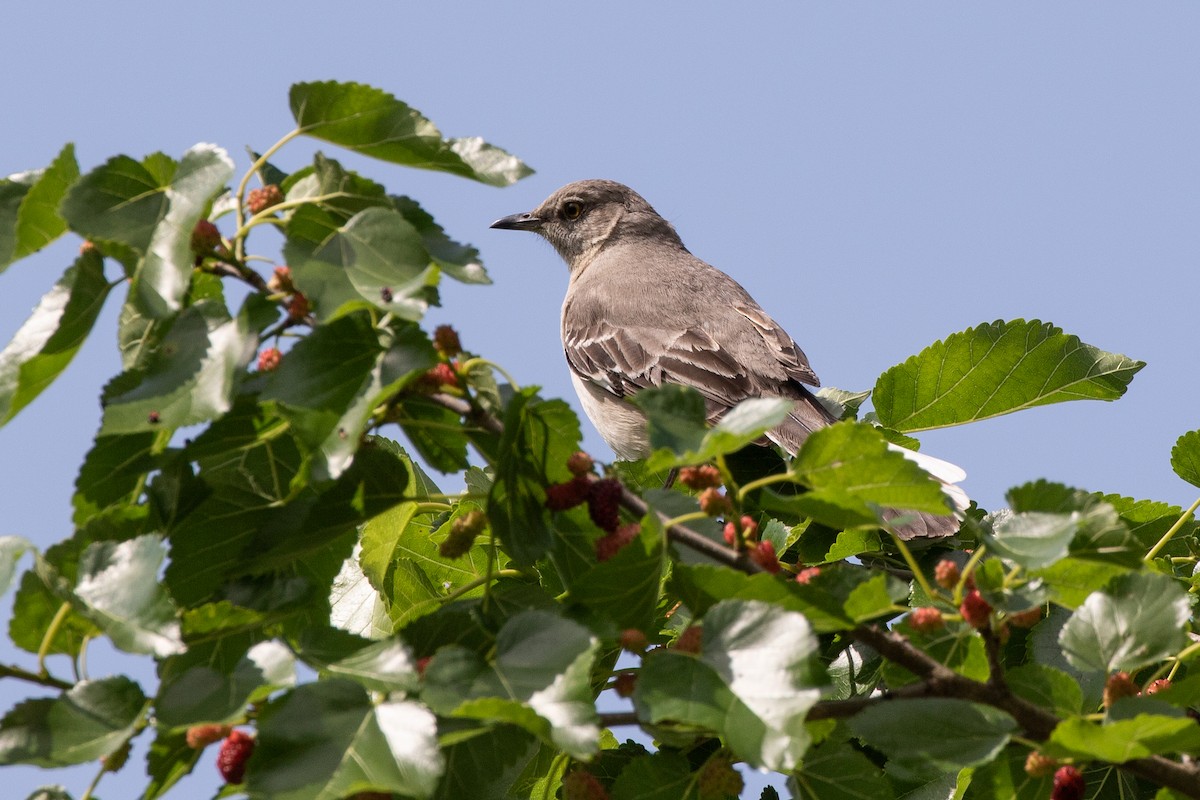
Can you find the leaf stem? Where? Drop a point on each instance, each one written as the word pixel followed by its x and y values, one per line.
pixel 918 575
pixel 766 480
pixel 967 571
pixel 48 638
pixel 471 362
pixel 683 518
pixel 1179 523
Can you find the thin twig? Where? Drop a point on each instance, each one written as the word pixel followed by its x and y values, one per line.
pixel 7 671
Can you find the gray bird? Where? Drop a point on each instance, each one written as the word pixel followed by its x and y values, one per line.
pixel 642 311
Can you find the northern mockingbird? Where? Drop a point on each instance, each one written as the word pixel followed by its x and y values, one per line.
pixel 642 311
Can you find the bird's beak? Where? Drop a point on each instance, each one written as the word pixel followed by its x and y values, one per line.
pixel 518 222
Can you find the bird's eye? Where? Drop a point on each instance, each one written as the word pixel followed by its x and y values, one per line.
pixel 572 209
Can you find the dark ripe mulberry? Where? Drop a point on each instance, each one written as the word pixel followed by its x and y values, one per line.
pixel 561 496
pixel 231 760
pixel 604 503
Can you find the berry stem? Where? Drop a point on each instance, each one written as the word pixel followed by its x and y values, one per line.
pixel 482 580
pixel 466 366
pixel 967 572
pixel 60 617
pixel 760 483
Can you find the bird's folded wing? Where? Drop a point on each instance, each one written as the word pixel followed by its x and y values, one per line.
pixel 624 359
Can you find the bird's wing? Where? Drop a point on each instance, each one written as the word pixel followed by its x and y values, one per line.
pixel 624 359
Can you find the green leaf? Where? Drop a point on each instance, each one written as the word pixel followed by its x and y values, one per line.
pixel 355 606
pixel 380 667
pixel 664 775
pixel 540 680
pixel 675 419
pixel 121 201
pixel 836 771
pixel 538 438
pixel 376 258
pixel 1119 741
pixel 11 550
pixel 1100 534
pixel 702 586
pixel 459 261
pixel 995 369
pixel 1185 457
pixel 933 736
pixel 162 280
pixel 852 475
pixel 753 682
pixel 119 590
pixel 1046 687
pixel 374 123
pixel 13 191
pixel 170 758
pixel 742 425
pixel 329 384
pixel 189 378
pixel 487 765
pixel 111 472
pixel 1136 620
pixel 43 347
pixel 327 739
pixel 88 721
pixel 36 222
pixel 214 680
pixel 625 589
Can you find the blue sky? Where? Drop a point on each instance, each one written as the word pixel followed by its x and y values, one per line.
pixel 877 175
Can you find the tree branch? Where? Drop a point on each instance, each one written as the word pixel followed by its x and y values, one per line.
pixel 1036 721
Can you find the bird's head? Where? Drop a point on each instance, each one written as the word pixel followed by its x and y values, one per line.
pixel 583 218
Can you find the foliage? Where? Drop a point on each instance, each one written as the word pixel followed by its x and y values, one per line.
pixel 457 642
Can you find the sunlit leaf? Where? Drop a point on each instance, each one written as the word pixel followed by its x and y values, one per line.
pixel 995 369
pixel 372 122
pixel 43 347
pixel 1136 620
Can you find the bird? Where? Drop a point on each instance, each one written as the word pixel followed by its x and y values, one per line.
pixel 641 311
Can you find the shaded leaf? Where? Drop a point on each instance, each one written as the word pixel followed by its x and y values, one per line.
pixel 932 736
pixel 374 123
pixel 669 428
pixel 121 201
pixel 170 758
pixel 993 369
pixel 215 680
pixel 189 377
pixel 37 221
pixel 459 261
pixel 43 347
pixel 1185 457
pixel 625 589
pixel 836 771
pixel 86 722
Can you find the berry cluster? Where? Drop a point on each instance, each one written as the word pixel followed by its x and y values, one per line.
pixel 926 619
pixel 259 200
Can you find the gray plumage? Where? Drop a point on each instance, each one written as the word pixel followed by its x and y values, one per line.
pixel 642 311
